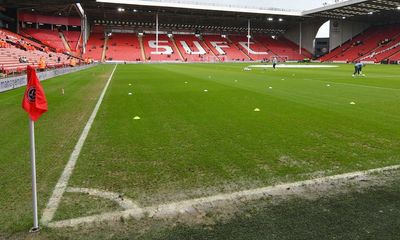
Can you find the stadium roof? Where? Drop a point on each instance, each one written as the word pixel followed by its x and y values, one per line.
pixel 362 10
pixel 208 6
pixel 174 14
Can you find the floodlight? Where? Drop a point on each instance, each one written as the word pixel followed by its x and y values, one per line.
pixel 280 19
pixel 370 13
pixel 270 19
pixel 121 10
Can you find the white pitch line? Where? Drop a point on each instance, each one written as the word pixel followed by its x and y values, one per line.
pixel 174 209
pixel 123 202
pixel 62 183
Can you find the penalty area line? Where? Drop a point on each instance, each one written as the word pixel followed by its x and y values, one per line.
pixel 62 183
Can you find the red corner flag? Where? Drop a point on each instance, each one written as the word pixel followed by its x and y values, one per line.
pixel 34 102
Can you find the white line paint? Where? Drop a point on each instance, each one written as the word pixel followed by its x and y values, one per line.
pixel 174 209
pixel 62 183
pixel 293 66
pixel 122 201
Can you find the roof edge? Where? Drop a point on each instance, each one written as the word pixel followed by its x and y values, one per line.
pixel 203 7
pixel 333 6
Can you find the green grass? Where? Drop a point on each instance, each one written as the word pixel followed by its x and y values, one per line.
pixel 56 134
pixel 357 215
pixel 192 143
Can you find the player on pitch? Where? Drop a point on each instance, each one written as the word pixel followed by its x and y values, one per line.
pixel 274 62
pixel 358 69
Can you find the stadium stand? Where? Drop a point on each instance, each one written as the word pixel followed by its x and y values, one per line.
pixel 49 37
pixel 94 46
pixel 72 37
pixel 10 59
pixel 283 48
pixel 374 44
pixel 257 50
pixel 16 37
pixel 192 48
pixel 395 57
pixel 123 47
pixel 166 52
pixel 19 51
pixel 223 49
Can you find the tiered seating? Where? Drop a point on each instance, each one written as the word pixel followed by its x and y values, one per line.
pixel 192 48
pixel 17 37
pixel 124 47
pixel 257 50
pixel 384 51
pixel 72 38
pixel 283 48
pixel 362 46
pixel 224 50
pixel 166 48
pixel 19 46
pixel 9 59
pixel 94 46
pixel 395 57
pixel 48 37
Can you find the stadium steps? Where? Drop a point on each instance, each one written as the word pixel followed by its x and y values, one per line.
pixel 237 47
pixel 208 48
pixel 94 46
pixel 142 49
pixel 394 54
pixel 272 53
pixel 103 54
pixel 383 52
pixel 123 47
pixel 395 57
pixel 236 44
pixel 65 42
pixel 177 49
pixel 79 43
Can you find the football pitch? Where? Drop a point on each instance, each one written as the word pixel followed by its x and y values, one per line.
pixel 166 133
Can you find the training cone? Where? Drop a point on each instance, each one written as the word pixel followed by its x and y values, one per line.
pixel 352 103
pixel 136 118
pixel 257 110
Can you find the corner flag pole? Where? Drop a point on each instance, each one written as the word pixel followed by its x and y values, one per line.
pixel 35 227
pixel 35 104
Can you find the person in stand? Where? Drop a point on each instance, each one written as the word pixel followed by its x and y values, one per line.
pixel 72 62
pixel 42 64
